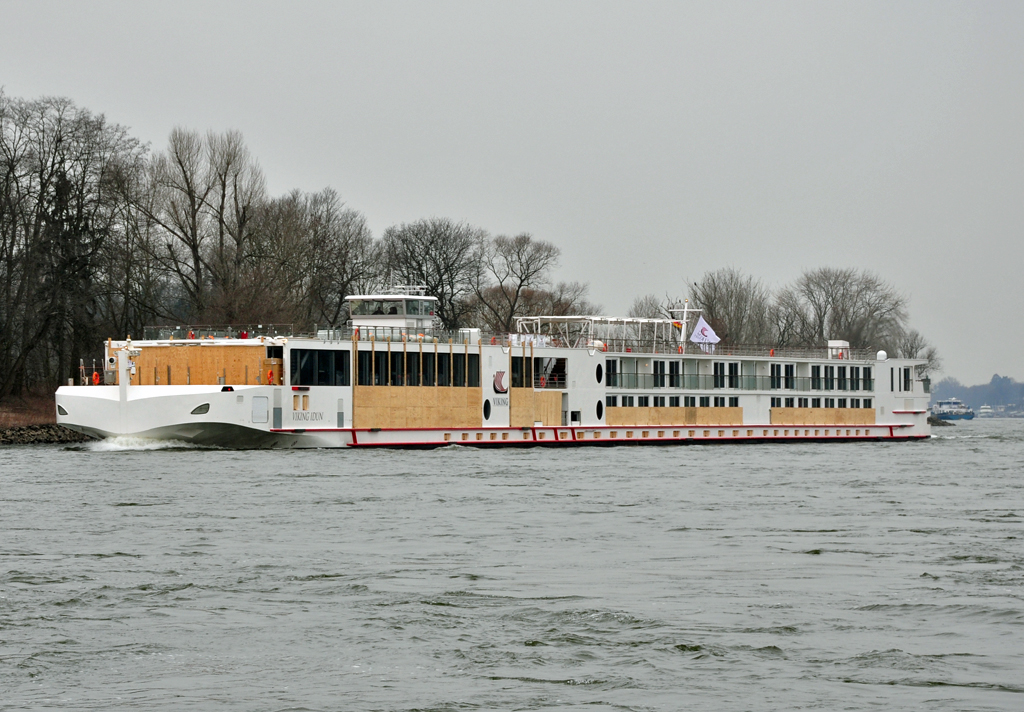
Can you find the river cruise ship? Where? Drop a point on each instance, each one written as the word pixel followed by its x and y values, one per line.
pixel 390 379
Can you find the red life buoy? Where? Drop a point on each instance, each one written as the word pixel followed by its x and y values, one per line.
pixel 191 334
pixel 270 377
pixel 493 341
pixel 95 378
pixel 680 348
pixel 543 382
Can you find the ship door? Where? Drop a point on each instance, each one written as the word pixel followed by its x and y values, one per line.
pixel 260 409
pixel 565 408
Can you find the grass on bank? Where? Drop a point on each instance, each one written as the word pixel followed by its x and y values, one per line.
pixel 19 411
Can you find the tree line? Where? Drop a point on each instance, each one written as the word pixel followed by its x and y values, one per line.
pixel 821 304
pixel 100 236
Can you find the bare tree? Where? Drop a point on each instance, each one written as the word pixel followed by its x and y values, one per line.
pixel 856 306
pixel 912 344
pixel 508 267
pixel 647 307
pixel 736 305
pixel 441 255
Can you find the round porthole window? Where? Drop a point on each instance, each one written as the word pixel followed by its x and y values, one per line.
pixel 487 410
pixel 600 373
pixel 600 410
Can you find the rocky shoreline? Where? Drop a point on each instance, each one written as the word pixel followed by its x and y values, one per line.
pixel 41 435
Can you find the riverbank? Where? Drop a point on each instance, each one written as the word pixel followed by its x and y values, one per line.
pixel 30 420
pixel 46 434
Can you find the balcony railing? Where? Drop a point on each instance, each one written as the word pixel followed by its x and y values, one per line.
pixel 710 382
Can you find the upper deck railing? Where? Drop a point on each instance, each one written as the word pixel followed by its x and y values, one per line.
pixel 619 347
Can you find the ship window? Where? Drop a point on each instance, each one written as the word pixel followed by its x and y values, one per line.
pixel 364 364
pixel 600 410
pixel 342 368
pixel 734 401
pixel 275 352
pixel 790 376
pixel 324 368
pixel 734 375
pixel 855 402
pixel 830 402
pixel 522 375
pixel 673 401
pixel 830 378
pixel 908 384
pixel 659 374
pixel 306 368
pixel 487 409
pixel 705 401
pixel 775 379
pixel 412 368
pixel 459 370
pixel 719 401
pixel 892 379
pixel 842 403
pixel 627 401
pixel 674 370
pixel 599 373
pixel 790 402
pixel 612 402
pixel 397 368
pixel 854 378
pixel 869 384
pixel 429 369
pixel 815 402
pixel 867 402
pixel 801 402
pixel 612 366
pixel 815 378
pixel 659 401
pixel 719 381
pixel 201 409
pixel 643 401
pixel 380 368
pixel 690 401
pixel 841 375
pixel 473 370
pixel 444 370
pixel 776 402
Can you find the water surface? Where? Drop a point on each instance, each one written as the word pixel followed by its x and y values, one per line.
pixel 727 577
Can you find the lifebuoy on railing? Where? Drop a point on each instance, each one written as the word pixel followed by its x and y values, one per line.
pixel 493 341
pixel 270 377
pixel 680 350
pixel 543 382
pixel 95 378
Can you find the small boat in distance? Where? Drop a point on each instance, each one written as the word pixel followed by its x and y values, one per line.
pixel 952 409
pixel 986 411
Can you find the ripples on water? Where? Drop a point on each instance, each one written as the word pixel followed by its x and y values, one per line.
pixel 849 576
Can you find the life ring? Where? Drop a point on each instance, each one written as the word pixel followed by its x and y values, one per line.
pixel 95 378
pixel 191 334
pixel 493 341
pixel 270 377
pixel 680 348
pixel 543 382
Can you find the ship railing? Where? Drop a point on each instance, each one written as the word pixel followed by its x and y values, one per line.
pixel 711 382
pixel 217 331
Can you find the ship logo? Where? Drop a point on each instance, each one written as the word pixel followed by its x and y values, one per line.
pixel 499 382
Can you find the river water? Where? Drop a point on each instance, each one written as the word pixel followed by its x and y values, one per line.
pixel 725 577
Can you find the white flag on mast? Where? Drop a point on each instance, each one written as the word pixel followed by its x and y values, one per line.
pixel 704 335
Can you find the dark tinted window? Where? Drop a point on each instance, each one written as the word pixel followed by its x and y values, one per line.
pixel 473 371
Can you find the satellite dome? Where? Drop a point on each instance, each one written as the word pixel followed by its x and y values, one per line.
pixel 882 356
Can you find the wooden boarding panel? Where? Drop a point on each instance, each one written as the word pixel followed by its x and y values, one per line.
pixel 521 407
pixel 198 363
pixel 667 416
pixel 822 416
pixel 416 407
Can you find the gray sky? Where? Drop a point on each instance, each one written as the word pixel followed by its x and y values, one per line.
pixel 650 141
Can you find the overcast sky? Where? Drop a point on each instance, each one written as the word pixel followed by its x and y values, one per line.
pixel 649 141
